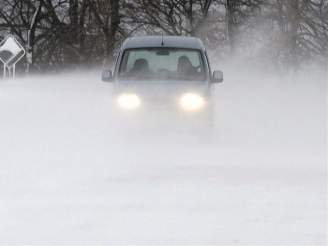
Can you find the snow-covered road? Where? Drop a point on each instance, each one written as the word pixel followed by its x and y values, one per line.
pixel 67 177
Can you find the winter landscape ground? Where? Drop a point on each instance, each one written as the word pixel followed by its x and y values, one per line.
pixel 67 177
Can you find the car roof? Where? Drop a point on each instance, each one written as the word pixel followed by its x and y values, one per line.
pixel 168 41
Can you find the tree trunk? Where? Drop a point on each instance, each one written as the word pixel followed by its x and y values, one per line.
pixel 113 29
pixel 74 29
pixel 231 24
pixel 293 14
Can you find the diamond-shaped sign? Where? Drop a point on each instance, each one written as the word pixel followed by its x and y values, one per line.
pixel 11 51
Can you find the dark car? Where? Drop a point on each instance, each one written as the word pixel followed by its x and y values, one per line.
pixel 170 73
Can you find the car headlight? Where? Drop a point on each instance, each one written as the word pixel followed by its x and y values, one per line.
pixel 129 101
pixel 192 102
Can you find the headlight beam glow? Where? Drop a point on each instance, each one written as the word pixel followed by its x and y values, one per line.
pixel 192 102
pixel 129 101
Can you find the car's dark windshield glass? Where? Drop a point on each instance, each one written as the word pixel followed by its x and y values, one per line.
pixel 162 63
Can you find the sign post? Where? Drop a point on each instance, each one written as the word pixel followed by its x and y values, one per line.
pixel 11 52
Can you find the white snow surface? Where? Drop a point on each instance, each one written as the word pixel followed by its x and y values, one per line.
pixel 68 177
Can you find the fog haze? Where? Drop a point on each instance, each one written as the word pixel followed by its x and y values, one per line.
pixel 68 176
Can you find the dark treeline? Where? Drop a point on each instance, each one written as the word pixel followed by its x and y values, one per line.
pixel 73 33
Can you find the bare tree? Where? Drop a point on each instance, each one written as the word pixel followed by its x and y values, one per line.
pixel 85 32
pixel 177 17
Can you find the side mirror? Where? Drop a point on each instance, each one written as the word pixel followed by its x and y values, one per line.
pixel 217 76
pixel 107 76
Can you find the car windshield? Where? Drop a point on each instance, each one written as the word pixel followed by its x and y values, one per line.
pixel 162 63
